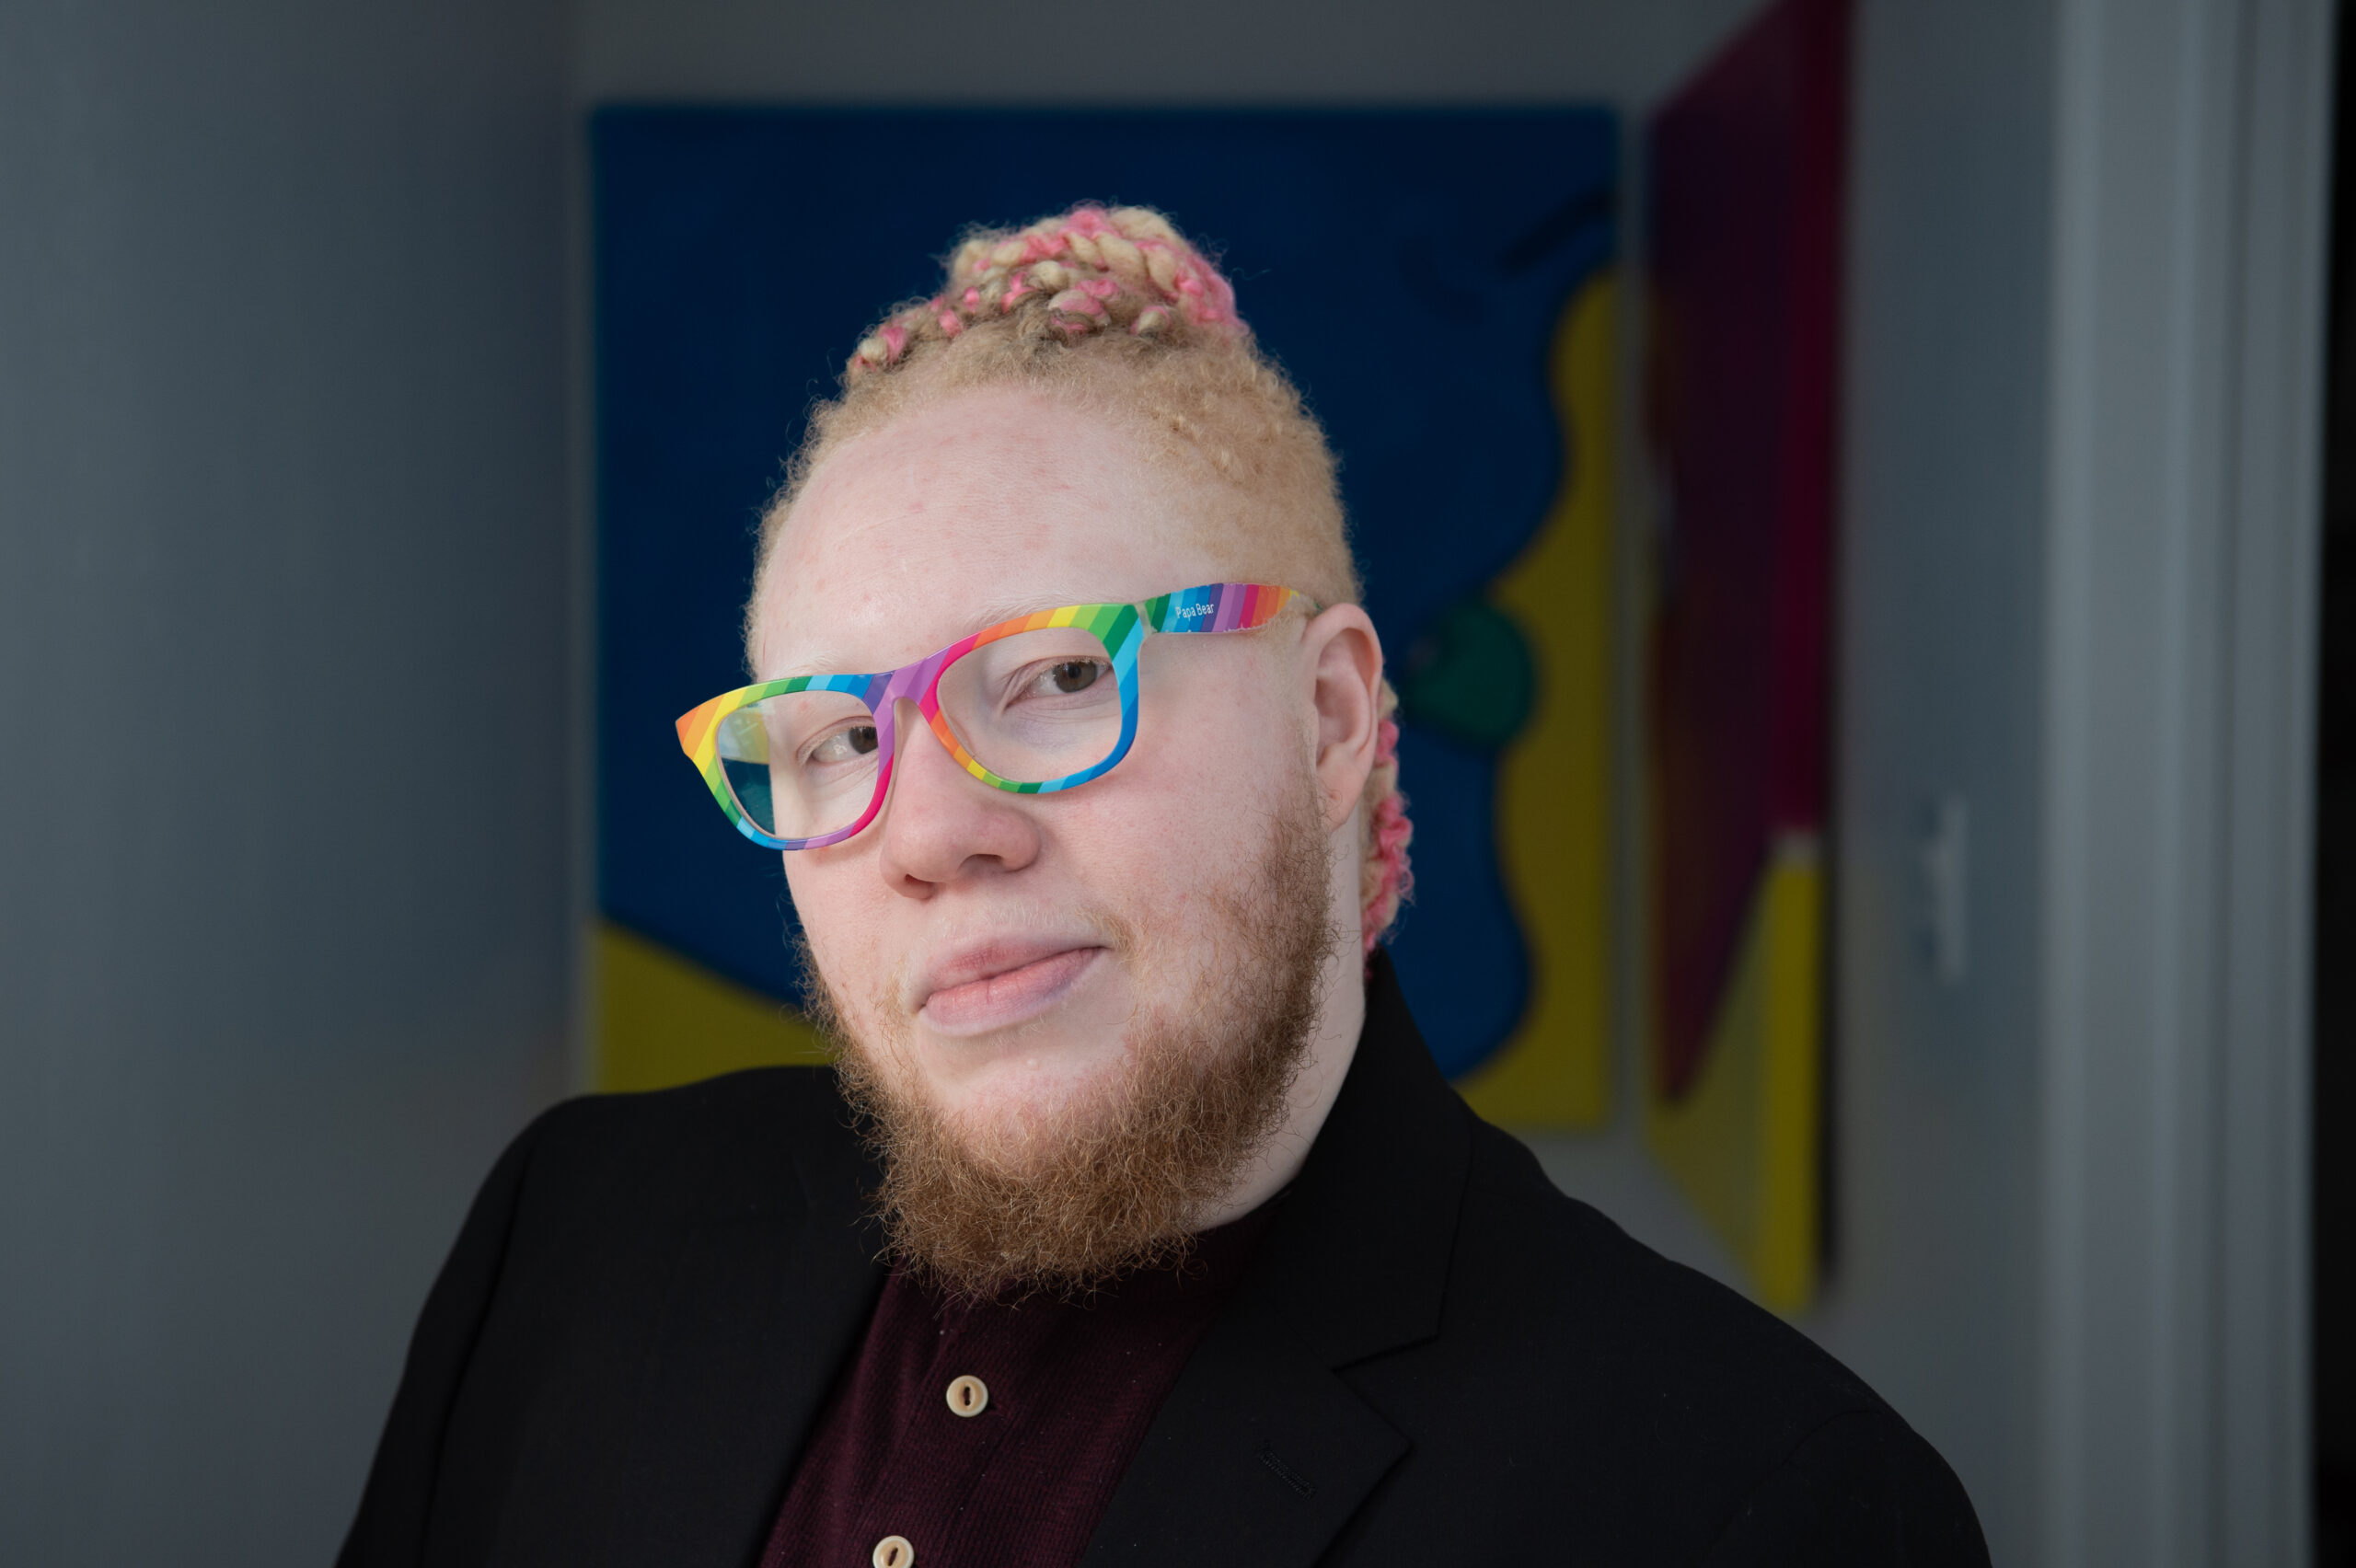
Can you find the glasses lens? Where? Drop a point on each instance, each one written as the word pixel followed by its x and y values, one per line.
pixel 1035 707
pixel 802 765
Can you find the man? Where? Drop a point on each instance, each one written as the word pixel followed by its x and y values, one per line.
pixel 1135 1224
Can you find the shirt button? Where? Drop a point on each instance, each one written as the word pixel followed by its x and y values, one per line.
pixel 894 1551
pixel 969 1396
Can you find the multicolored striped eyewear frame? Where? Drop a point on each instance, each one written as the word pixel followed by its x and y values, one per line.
pixel 789 759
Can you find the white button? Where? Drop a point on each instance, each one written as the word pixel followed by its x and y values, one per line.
pixel 969 1396
pixel 894 1551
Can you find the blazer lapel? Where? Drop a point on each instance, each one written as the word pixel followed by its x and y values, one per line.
pixel 1263 1445
pixel 1259 1449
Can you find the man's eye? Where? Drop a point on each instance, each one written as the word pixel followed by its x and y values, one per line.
pixel 847 745
pixel 1067 676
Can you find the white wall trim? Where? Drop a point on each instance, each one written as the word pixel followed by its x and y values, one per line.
pixel 2264 1434
pixel 2191 140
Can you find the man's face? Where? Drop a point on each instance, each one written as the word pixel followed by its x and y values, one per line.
pixel 997 954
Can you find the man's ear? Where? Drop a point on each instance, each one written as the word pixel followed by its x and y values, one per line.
pixel 1345 664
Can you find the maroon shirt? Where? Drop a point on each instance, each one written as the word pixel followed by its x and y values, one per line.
pixel 1071 1389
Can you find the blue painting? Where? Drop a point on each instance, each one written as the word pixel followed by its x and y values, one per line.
pixel 1407 268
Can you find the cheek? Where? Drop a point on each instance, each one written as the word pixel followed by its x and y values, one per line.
pixel 1190 802
pixel 842 926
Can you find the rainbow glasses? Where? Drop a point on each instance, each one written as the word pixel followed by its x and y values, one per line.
pixel 1042 703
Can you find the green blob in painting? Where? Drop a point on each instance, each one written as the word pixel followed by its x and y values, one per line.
pixel 1470 676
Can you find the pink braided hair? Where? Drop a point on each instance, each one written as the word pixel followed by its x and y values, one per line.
pixel 1093 267
pixel 1067 281
pixel 1385 879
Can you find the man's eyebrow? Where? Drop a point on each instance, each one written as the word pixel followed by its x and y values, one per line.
pixel 993 612
pixel 825 665
pixel 996 611
pixel 813 664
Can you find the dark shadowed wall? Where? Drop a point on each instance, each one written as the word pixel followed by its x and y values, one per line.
pixel 287 588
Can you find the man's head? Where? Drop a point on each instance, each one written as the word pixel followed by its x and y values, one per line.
pixel 1084 1023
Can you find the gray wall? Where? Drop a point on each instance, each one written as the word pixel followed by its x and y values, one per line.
pixel 1933 1289
pixel 286 601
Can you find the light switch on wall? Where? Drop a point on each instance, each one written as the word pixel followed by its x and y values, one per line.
pixel 1942 861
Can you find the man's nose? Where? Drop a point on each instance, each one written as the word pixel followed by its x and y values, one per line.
pixel 941 823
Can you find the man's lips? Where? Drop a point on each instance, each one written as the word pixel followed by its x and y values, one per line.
pixel 997 986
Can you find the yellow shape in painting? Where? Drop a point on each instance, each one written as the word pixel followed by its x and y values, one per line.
pixel 1556 780
pixel 664 1020
pixel 1742 1141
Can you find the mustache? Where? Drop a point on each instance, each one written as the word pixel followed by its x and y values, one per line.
pixel 1029 920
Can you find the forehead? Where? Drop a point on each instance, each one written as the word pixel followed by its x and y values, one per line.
pixel 977 508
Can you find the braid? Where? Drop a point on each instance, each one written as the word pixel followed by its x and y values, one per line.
pixel 1088 270
pixel 1115 306
pixel 1385 880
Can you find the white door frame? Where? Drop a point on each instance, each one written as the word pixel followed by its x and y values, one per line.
pixel 2191 224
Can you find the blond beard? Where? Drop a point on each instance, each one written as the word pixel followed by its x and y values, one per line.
pixel 1115 1180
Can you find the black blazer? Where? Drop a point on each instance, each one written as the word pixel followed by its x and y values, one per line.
pixel 1438 1358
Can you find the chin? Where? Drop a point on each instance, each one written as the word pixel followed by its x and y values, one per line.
pixel 1034 1090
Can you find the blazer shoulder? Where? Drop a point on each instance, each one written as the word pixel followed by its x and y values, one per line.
pixel 765 1130
pixel 1669 1337
pixel 801 1099
pixel 1864 1487
pixel 588 1235
pixel 1577 1374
